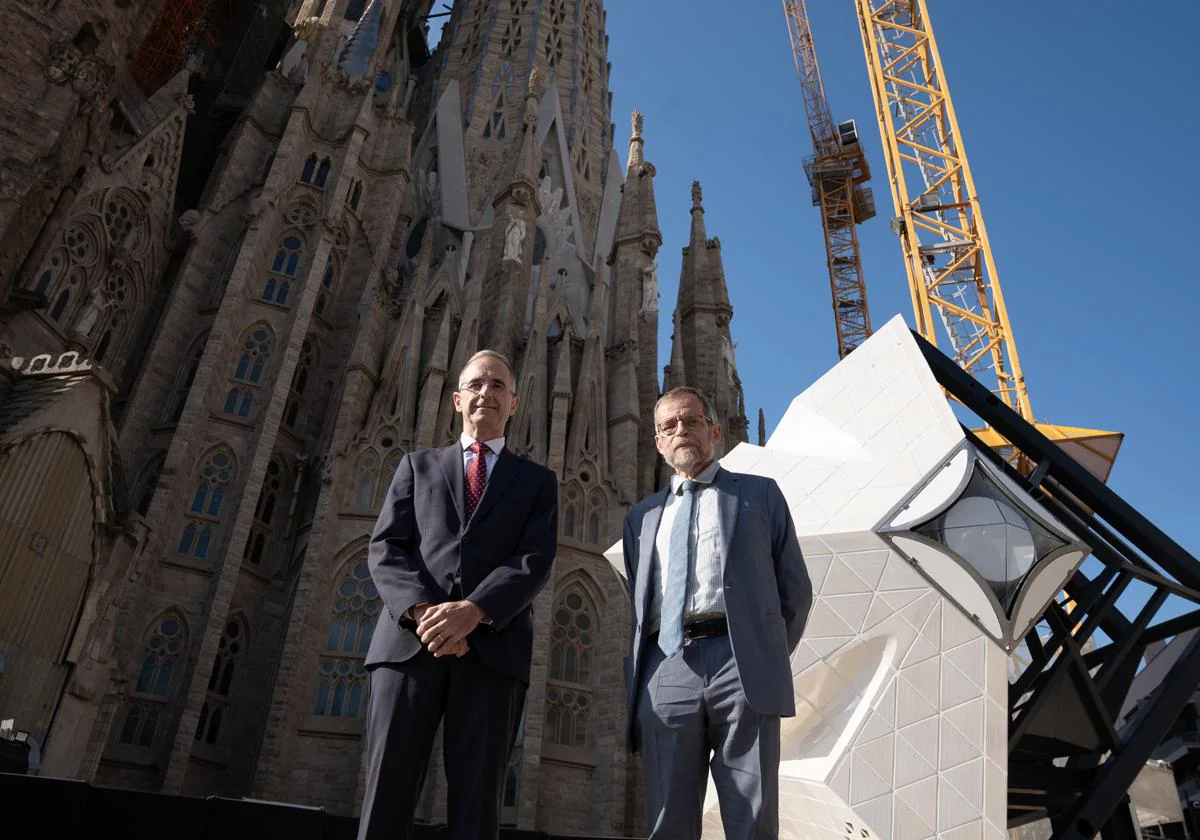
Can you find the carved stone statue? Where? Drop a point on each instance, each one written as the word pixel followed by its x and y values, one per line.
pixel 95 304
pixel 650 288
pixel 638 123
pixel 514 239
pixel 697 195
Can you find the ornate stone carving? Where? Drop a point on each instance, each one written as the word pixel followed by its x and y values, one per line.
pixel 650 289
pixel 190 222
pixel 62 61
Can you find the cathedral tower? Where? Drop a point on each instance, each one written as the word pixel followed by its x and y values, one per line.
pixel 253 364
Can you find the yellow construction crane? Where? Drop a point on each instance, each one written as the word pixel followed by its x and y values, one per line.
pixel 951 273
pixel 837 173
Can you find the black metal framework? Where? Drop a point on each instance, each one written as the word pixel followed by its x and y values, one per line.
pixel 1069 759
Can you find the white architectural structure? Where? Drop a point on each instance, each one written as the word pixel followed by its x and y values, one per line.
pixel 927 564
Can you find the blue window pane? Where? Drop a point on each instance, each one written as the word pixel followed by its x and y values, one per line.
pixel 165 672
pixel 293 243
pixel 243 365
pixel 323 173
pixel 185 541
pixel 60 305
pixel 339 700
pixel 202 543
pixel 309 166
pixel 364 638
pixel 292 264
pixel 256 371
pixel 247 404
pixel 146 676
pixel 43 282
pixel 322 701
pixel 351 634
pixel 269 289
pixel 355 700
pixel 231 400
pixel 200 498
pixel 281 298
pixel 335 635
pixel 214 501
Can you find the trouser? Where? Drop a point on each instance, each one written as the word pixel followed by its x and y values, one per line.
pixel 481 711
pixel 692 717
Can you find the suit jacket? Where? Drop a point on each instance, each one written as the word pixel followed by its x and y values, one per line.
pixel 422 542
pixel 767 590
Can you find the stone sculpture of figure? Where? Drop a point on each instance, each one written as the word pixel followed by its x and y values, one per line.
pixel 638 123
pixel 90 313
pixel 514 239
pixel 650 287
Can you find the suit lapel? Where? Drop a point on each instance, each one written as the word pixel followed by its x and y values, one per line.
pixel 727 510
pixel 646 550
pixel 452 467
pixel 508 466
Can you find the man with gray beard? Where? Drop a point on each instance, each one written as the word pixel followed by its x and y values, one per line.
pixel 720 597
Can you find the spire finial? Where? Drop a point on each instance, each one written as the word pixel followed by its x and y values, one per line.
pixel 697 196
pixel 635 141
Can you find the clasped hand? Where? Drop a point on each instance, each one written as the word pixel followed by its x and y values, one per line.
pixel 444 627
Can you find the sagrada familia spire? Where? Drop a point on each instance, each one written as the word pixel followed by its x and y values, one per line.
pixel 231 301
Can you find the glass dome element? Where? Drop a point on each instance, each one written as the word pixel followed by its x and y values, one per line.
pixel 993 533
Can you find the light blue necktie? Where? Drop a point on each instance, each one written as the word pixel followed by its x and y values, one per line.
pixel 670 619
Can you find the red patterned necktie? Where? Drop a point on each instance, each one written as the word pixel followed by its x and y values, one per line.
pixel 476 476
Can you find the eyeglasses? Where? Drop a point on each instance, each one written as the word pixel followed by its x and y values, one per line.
pixel 477 386
pixel 688 422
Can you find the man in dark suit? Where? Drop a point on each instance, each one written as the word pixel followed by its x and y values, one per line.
pixel 720 598
pixel 464 542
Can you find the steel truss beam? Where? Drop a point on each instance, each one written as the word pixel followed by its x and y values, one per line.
pixel 1070 759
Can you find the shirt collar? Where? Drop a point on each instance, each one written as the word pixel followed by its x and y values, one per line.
pixel 495 444
pixel 707 476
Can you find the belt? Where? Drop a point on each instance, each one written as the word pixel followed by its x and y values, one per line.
pixel 705 628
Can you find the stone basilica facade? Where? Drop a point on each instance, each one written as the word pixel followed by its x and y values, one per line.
pixel 243 255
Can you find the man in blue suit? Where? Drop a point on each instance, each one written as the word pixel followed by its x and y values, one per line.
pixel 463 543
pixel 720 597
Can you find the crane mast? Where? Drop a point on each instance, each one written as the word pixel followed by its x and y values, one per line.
pixel 837 173
pixel 951 272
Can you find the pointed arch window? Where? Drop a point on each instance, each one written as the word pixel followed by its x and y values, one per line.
pixel 147 483
pixel 572 671
pixel 354 9
pixel 356 191
pixel 204 514
pixel 310 168
pixel 328 290
pixel 293 412
pixel 368 470
pixel 571 505
pixel 165 643
pixel 50 274
pixel 248 373
pixel 270 502
pixel 284 266
pixel 341 672
pixel 221 680
pixel 173 410
pixel 322 173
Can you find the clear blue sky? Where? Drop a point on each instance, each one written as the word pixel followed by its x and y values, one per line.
pixel 1081 124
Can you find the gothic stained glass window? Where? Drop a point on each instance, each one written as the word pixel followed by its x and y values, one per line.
pixel 284 266
pixel 204 512
pixel 165 643
pixel 247 374
pixel 571 672
pixel 341 672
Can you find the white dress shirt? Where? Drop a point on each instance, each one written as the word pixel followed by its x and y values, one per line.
pixel 706 589
pixel 495 444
